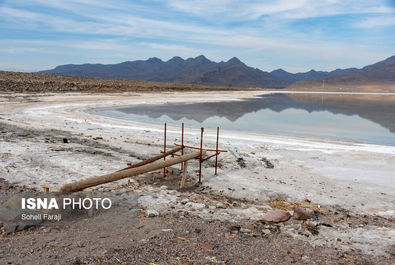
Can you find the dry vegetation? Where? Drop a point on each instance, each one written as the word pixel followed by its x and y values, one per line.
pixel 29 82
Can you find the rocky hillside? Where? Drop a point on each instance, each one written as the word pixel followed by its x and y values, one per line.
pixel 27 82
pixel 312 74
pixel 378 77
pixel 199 70
pixel 202 73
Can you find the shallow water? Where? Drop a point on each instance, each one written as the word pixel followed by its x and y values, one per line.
pixel 356 118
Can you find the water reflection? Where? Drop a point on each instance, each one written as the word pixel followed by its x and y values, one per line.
pixel 366 118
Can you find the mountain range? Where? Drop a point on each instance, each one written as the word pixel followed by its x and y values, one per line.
pixel 378 76
pixel 203 71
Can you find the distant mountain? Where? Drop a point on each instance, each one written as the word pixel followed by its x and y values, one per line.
pixel 197 70
pixel 378 76
pixel 235 73
pixel 312 74
pixel 153 69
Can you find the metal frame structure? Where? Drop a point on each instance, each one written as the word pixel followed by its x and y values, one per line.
pixel 151 164
pixel 201 158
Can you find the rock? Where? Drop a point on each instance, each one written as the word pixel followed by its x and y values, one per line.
pixel 266 232
pixel 12 219
pixel 312 227
pixel 303 214
pixel 10 228
pixel 152 213
pixel 276 216
pixel 312 223
pixel 14 202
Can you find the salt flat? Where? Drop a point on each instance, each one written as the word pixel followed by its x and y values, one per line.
pixel 328 174
pixel 353 176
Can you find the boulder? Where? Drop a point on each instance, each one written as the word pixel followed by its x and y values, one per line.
pixel 13 221
pixel 303 214
pixel 276 216
pixel 14 202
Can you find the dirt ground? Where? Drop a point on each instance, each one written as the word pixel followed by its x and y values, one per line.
pixel 124 235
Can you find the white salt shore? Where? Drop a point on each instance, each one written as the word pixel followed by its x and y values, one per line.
pixel 354 176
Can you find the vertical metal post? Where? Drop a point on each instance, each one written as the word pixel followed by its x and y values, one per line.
pixel 216 152
pixel 201 153
pixel 164 151
pixel 182 143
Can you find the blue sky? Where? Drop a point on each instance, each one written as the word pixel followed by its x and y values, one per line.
pixel 289 34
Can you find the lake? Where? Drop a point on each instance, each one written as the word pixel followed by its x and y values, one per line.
pixel 355 118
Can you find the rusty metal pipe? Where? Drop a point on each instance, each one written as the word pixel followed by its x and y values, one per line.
pixel 201 154
pixel 182 144
pixel 164 151
pixel 216 152
pixel 207 158
pixel 198 148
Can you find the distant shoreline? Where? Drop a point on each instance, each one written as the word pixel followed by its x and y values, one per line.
pixel 330 92
pixel 18 82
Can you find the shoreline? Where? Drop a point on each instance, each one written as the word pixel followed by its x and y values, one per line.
pixel 68 113
pixel 330 174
